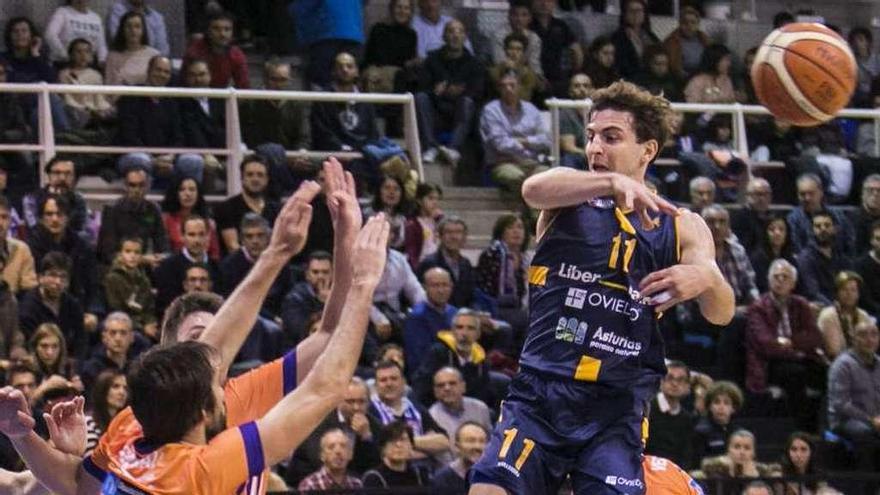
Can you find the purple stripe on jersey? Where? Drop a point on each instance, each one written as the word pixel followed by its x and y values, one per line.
pixel 253 448
pixel 288 369
pixel 93 469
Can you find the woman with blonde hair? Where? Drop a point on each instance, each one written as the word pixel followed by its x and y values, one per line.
pixel 837 321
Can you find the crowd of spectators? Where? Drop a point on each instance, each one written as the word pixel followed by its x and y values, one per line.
pixel 84 293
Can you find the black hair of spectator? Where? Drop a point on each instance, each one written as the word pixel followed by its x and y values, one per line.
pixel 319 255
pixel 99 406
pixel 55 260
pixel 72 45
pixel 61 203
pixel 19 368
pixel 863 31
pixel 597 44
pixel 825 214
pixel 725 388
pixel 787 250
pixel 393 431
pixel 254 158
pixel 813 468
pixel 504 222
pixel 49 330
pixel 403 206
pixel 782 18
pixel 58 159
pixel 393 4
pixel 223 15
pixel 426 188
pixel 510 38
pixel 199 266
pixel 470 423
pixel 130 238
pixel 11 23
pixel 171 200
pixel 193 218
pixel 185 305
pixel 680 365
pixel 189 63
pixel 712 55
pixel 516 4
pixel 251 220
pixel 624 5
pixel 118 43
pixel 652 51
pixel 388 364
pixel 160 379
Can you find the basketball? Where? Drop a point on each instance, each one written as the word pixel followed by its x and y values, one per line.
pixel 804 73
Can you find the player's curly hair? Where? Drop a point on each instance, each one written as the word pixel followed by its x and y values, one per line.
pixel 653 115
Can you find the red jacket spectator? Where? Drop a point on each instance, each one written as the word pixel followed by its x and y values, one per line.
pixel 228 68
pixel 763 343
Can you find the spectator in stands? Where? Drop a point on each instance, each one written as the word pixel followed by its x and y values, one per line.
pixel 391 59
pixel 72 21
pixel 750 223
pixel 51 303
pixel 307 298
pixel 274 126
pixel 130 52
pixel 428 318
pixel 430 27
pixel 390 200
pixel 711 83
pixel 723 400
pixel 702 193
pixel 127 288
pixel 398 282
pixel 18 263
pixel 827 145
pixel 869 266
pixel 558 43
pixel 85 110
pixel 255 234
pixel 601 65
pixel 861 40
pixel 838 320
pixel 451 82
pixel 799 459
pixel 154 22
pixel 685 45
pixel 53 233
pixel 390 405
pixel 773 244
pixel 184 198
pixel 168 277
pixel 821 260
pixel 784 345
pixel 420 238
pixel 227 63
pixel 22 377
pixel 811 202
pixel 868 213
pixel 336 453
pixel 452 232
pixel 146 121
pixel 519 18
pixel 204 122
pixel 739 460
pixel 133 215
pixel 632 37
pixel 396 446
pixel 656 75
pixel 732 258
pixel 501 269
pixel 49 353
pixel 14 125
pixel 470 441
pixel 61 172
pixel 324 30
pixel 514 135
pixel 854 396
pixel 197 278
pixel 115 352
pixel 351 417
pixel 572 137
pixel 452 408
pixel 514 52
pixel 671 424
pixel 776 139
pixel 109 395
pixel 11 338
pixel 252 199
pixel 865 141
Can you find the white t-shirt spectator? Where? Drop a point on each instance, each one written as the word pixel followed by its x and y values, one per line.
pixel 68 24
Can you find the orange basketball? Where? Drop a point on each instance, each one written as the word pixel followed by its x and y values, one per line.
pixel 804 73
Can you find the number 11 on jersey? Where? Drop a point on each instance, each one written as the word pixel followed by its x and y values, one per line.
pixel 528 445
pixel 629 249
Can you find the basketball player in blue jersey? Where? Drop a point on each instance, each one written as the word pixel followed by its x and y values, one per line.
pixel 611 258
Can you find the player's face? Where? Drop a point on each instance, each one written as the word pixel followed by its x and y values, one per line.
pixel 721 409
pixel 799 452
pixel 612 145
pixel 389 384
pixel 471 442
pixel 676 383
pixel 216 419
pixel 193 325
pixel 741 449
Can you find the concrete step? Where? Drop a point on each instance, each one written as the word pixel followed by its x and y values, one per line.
pixel 474 198
pixel 436 173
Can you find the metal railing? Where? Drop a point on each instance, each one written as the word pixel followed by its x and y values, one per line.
pixel 736 110
pixel 234 150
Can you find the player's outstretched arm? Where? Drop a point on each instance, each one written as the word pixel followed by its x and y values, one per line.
pixel 347 219
pixel 696 276
pixel 22 483
pixel 287 424
pixel 230 327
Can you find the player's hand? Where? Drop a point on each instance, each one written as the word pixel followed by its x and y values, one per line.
pixel 342 202
pixel 67 426
pixel 370 251
pixel 675 284
pixel 633 195
pixel 15 414
pixel 292 225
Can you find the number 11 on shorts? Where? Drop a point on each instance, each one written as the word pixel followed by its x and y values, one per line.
pixel 528 445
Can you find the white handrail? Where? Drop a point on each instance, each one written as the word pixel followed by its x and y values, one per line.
pixel 234 149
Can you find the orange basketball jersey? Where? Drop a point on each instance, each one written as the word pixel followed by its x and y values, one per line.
pixel 664 477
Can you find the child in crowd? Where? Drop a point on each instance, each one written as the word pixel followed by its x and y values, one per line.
pixel 84 110
pixel 723 400
pixel 128 288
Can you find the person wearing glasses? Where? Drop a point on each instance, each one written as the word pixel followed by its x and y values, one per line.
pixel 61 174
pixel 671 422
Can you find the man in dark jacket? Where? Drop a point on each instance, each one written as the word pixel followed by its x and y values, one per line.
pixel 168 277
pixel 133 215
pixel 453 236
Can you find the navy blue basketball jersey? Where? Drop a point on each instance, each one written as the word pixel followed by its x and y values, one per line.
pixel 587 320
